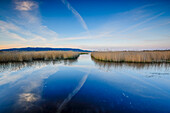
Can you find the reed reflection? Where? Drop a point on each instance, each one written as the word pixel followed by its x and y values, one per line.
pixel 14 66
pixel 107 66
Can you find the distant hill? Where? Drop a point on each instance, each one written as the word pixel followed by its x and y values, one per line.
pixel 44 49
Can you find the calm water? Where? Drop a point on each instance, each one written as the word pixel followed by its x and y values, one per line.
pixel 84 86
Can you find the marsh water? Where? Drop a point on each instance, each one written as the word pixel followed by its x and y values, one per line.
pixel 84 85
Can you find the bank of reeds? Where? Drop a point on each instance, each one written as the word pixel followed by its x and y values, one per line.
pixel 40 55
pixel 133 56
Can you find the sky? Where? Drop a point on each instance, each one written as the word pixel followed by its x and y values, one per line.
pixel 85 24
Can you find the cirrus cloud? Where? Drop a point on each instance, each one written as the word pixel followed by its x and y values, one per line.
pixel 25 5
pixel 77 15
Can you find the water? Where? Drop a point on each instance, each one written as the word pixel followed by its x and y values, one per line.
pixel 84 86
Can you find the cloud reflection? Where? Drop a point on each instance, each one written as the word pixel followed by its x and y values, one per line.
pixel 28 97
pixel 73 93
pixel 30 87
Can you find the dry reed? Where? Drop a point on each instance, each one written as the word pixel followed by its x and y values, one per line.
pixel 133 56
pixel 40 55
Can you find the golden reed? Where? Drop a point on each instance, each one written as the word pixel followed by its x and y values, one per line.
pixel 40 55
pixel 133 56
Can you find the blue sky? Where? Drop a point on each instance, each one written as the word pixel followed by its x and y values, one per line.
pixel 86 24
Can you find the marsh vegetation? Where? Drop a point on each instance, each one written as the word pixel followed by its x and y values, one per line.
pixel 40 55
pixel 133 56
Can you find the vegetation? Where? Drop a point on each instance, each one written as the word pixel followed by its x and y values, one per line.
pixel 133 56
pixel 41 55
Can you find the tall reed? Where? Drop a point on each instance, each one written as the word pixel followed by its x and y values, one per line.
pixel 40 55
pixel 133 56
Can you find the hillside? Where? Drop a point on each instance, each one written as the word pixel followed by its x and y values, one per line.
pixel 44 49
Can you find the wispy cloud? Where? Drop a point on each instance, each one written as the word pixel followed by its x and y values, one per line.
pixel 154 26
pixel 5 31
pixel 12 31
pixel 25 5
pixel 79 17
pixel 140 23
pixel 32 20
pixel 26 27
pixel 85 37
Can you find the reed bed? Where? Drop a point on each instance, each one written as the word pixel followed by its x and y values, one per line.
pixel 133 56
pixel 40 55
